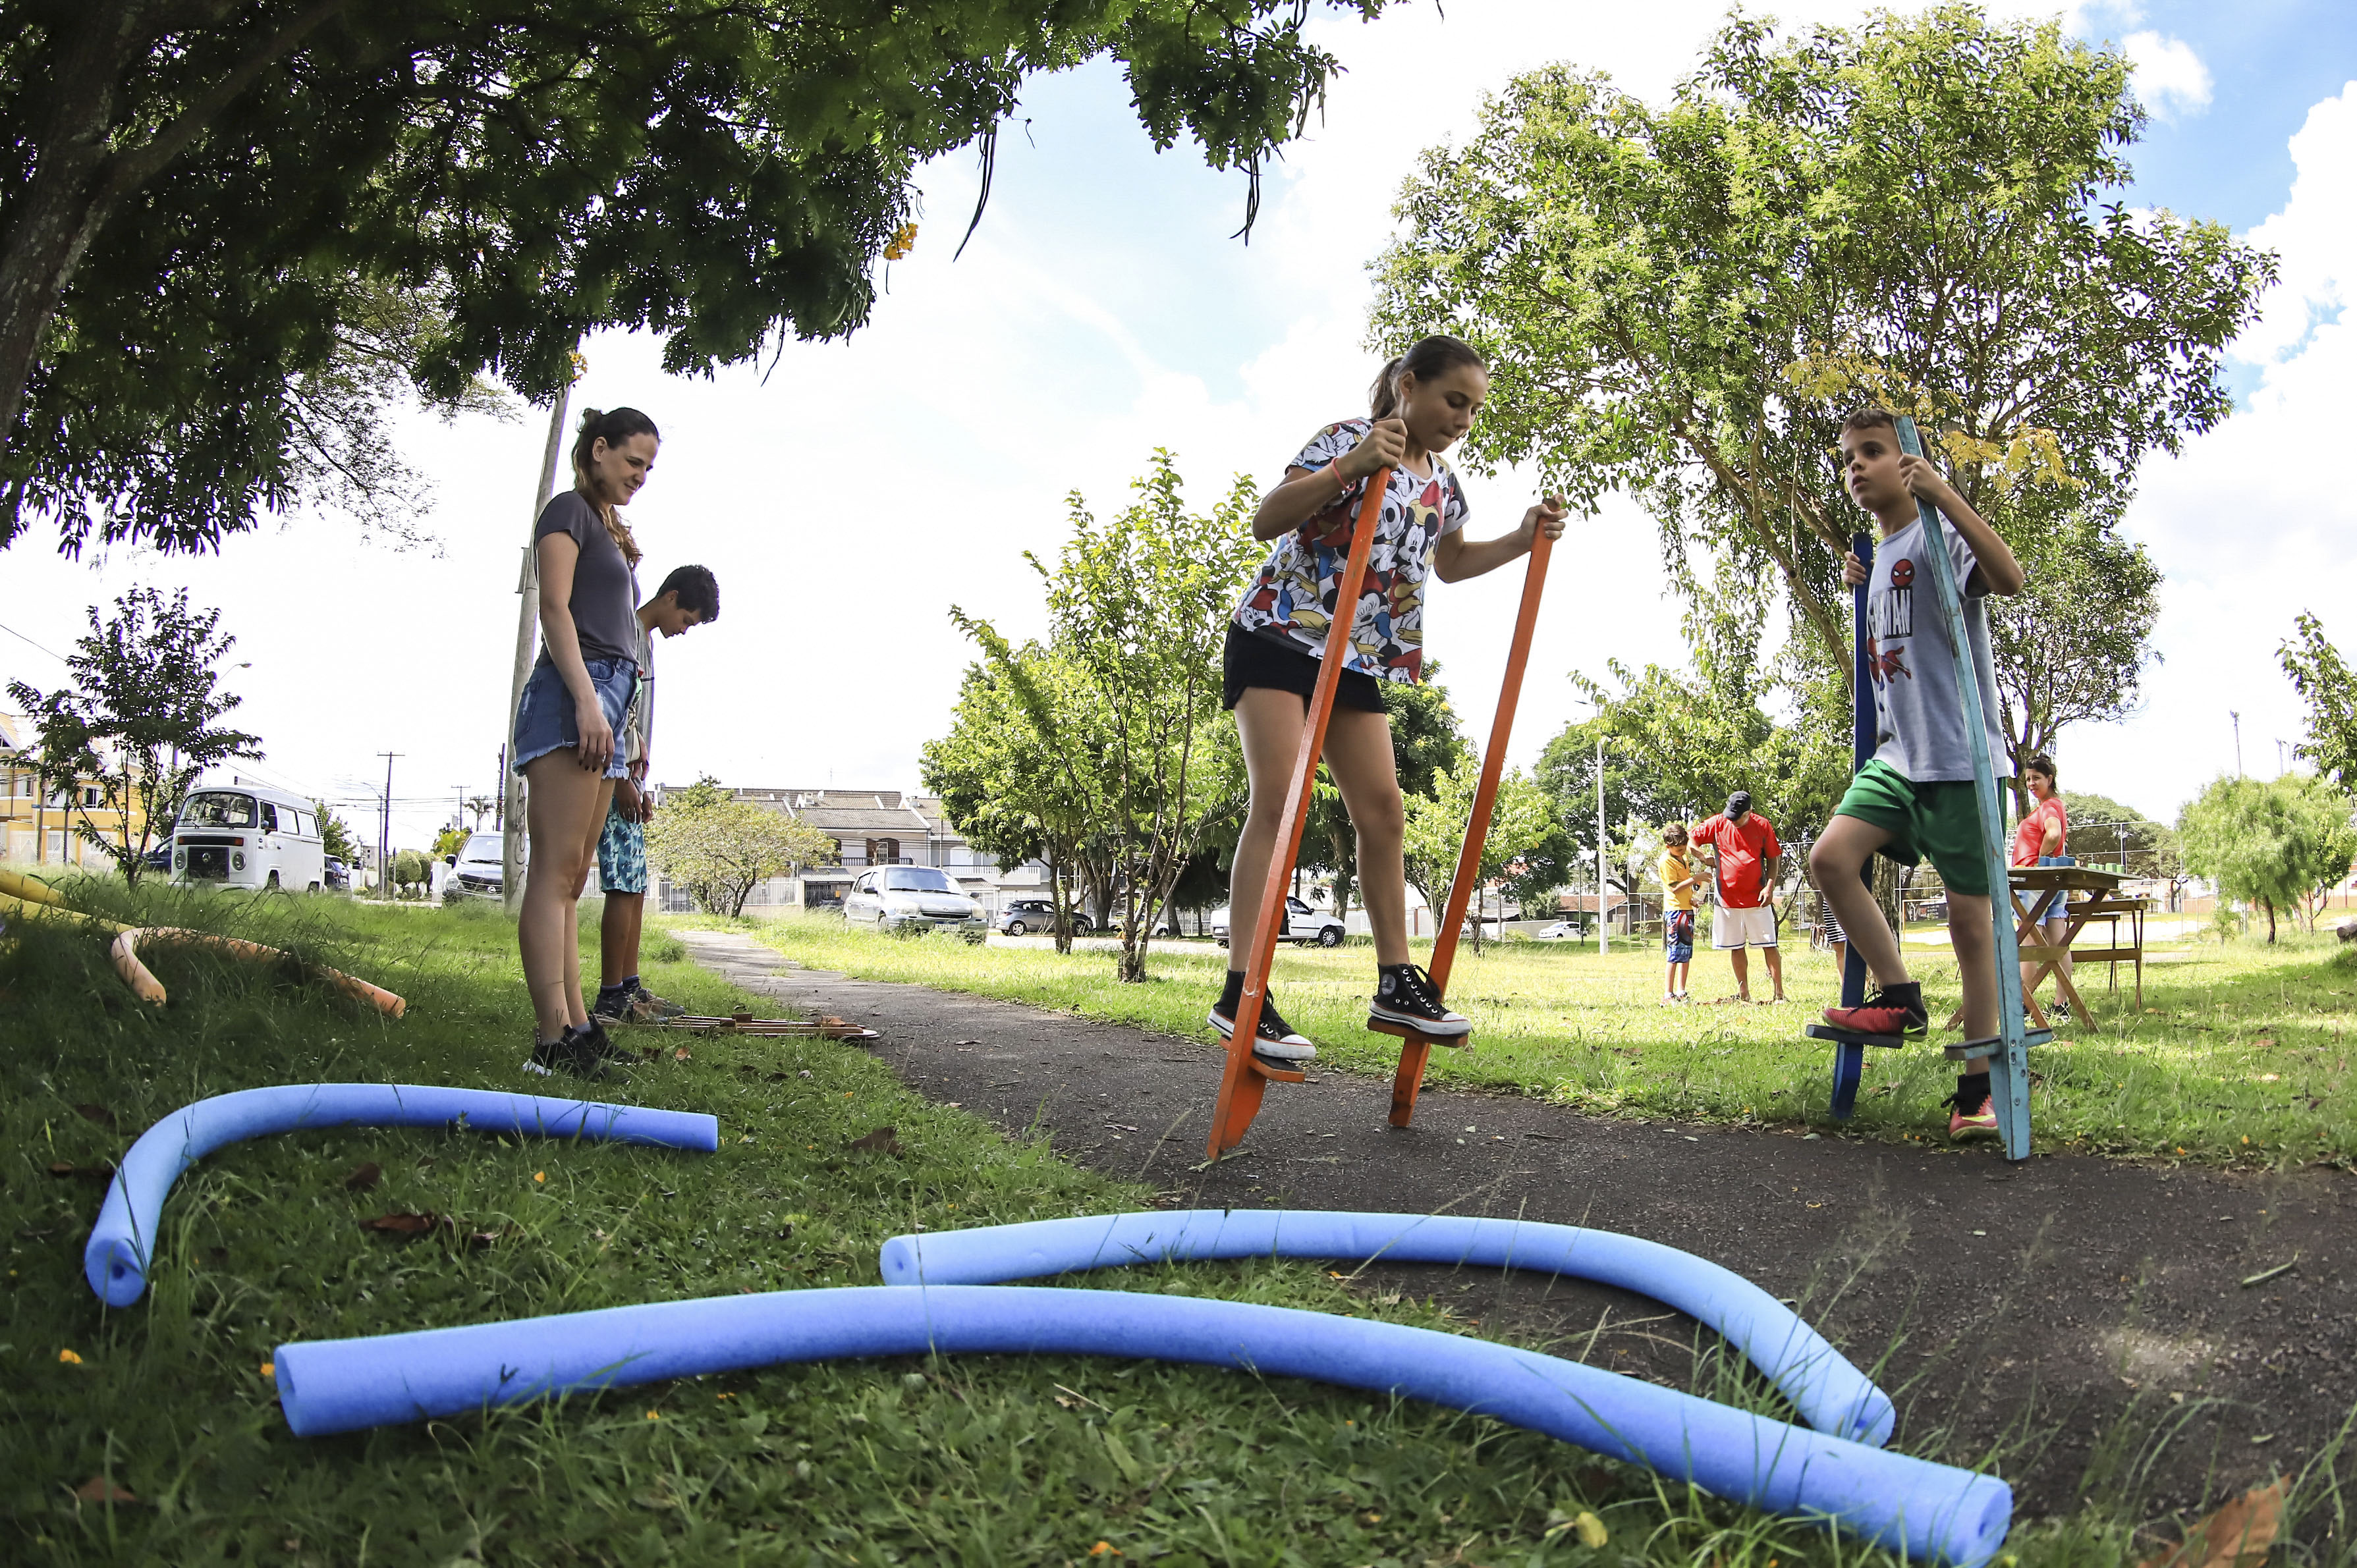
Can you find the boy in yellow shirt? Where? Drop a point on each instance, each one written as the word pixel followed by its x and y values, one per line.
pixel 1678 911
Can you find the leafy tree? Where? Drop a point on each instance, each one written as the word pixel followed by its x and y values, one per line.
pixel 449 840
pixel 336 840
pixel 2097 834
pixel 140 723
pixel 207 208
pixel 2071 646
pixel 2321 675
pixel 410 869
pixel 1000 787
pixel 720 848
pixel 2274 842
pixel 1682 302
pixel 1139 606
pixel 1678 743
pixel 1426 743
pixel 1521 825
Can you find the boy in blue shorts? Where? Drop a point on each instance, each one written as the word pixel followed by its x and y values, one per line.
pixel 1678 882
pixel 689 597
pixel 1915 800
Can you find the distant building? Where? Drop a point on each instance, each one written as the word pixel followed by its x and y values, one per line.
pixel 38 828
pixel 870 827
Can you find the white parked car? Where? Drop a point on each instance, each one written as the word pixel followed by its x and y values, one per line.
pixel 897 897
pixel 248 835
pixel 1561 932
pixel 1303 925
pixel 479 868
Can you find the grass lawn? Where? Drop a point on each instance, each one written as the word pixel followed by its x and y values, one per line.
pixel 979 1460
pixel 2239 1055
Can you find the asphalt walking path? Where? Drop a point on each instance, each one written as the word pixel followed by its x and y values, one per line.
pixel 2083 1319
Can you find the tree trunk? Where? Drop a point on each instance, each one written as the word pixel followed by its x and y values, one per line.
pixel 2269 905
pixel 62 206
pixel 1063 920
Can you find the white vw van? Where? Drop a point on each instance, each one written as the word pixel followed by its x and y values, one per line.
pixel 244 834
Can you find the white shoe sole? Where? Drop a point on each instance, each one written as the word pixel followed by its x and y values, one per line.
pixel 1292 1049
pixel 1449 1028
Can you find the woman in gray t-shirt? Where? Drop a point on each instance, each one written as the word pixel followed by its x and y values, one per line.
pixel 565 726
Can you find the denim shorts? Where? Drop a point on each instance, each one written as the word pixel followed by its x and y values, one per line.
pixel 1677 936
pixel 621 854
pixel 545 720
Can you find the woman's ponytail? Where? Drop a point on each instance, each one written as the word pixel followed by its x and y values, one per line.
pixel 613 429
pixel 1383 398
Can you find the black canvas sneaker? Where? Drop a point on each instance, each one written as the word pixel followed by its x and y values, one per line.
pixel 593 1035
pixel 1276 1039
pixel 1406 996
pixel 570 1052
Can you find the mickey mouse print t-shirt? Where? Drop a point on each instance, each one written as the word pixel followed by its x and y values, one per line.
pixel 1918 717
pixel 1293 597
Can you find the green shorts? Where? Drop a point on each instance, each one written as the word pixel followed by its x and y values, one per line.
pixel 1938 821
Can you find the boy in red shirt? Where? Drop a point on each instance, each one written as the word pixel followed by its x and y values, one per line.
pixel 1744 856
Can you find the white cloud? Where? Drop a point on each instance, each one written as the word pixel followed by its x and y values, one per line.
pixel 2254 522
pixel 2170 77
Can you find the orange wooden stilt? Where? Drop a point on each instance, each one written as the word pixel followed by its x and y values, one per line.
pixel 1415 1049
pixel 1244 1077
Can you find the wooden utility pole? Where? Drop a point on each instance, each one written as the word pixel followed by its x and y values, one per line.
pixel 527 646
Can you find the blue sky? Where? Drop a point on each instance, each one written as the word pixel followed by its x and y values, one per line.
pixel 1103 309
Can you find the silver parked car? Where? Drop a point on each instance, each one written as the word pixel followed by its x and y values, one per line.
pixel 1022 915
pixel 897 897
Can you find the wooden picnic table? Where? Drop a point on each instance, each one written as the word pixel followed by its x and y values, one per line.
pixel 2094 895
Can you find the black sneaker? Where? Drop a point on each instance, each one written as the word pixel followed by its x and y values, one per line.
pixel 1406 996
pixel 611 1005
pixel 2059 1012
pixel 1277 1041
pixel 593 1035
pixel 570 1052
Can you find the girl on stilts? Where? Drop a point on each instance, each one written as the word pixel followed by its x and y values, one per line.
pixel 1421 404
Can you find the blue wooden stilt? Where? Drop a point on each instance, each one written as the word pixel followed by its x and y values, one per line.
pixel 1849 1057
pixel 2009 1064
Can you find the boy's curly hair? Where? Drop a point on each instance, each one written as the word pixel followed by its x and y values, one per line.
pixel 1872 416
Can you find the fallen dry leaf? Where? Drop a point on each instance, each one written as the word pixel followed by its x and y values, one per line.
pixel 98 1113
pixel 99 1489
pixel 2238 1535
pixel 882 1141
pixel 365 1176
pixel 85 1173
pixel 679 1055
pixel 2255 1043
pixel 407 1225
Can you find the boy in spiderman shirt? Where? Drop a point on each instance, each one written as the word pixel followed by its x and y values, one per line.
pixel 1915 800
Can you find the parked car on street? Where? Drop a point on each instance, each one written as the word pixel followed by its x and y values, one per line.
pixel 1561 932
pixel 1303 925
pixel 242 834
pixel 910 897
pixel 479 868
pixel 340 875
pixel 1027 915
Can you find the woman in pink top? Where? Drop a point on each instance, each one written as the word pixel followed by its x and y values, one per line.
pixel 2039 838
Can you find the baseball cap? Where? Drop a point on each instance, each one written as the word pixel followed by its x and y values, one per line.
pixel 1738 801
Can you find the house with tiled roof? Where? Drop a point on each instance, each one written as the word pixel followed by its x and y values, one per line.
pixel 875 827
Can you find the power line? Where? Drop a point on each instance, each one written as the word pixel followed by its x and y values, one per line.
pixel 29 642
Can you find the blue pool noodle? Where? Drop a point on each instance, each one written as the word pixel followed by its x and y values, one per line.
pixel 1925 1509
pixel 123 1241
pixel 1832 1395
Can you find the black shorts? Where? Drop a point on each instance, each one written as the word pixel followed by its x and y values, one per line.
pixel 1248 659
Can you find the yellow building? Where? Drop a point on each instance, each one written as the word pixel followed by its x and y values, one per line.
pixel 36 829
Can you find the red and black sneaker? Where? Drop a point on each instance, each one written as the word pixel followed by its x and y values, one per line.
pixel 1893 1015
